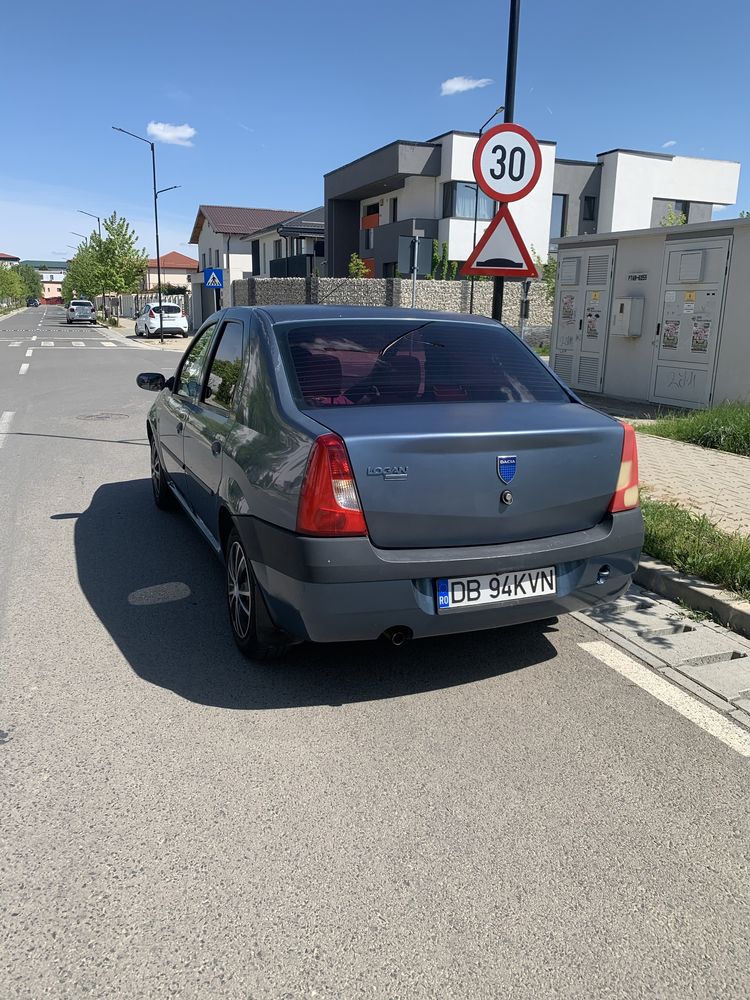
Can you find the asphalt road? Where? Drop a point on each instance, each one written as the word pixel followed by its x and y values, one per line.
pixel 500 815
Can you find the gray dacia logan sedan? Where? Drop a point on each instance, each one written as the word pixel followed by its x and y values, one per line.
pixel 367 472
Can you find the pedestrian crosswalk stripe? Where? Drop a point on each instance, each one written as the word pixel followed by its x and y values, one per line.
pixel 78 343
pixel 48 343
pixel 107 343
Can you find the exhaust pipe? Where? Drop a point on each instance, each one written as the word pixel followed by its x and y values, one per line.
pixel 397 635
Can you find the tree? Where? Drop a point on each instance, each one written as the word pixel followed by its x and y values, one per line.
pixel 672 218
pixel 82 279
pixel 435 259
pixel 357 267
pixel 29 277
pixel 119 265
pixel 744 214
pixel 547 274
pixel 444 263
pixel 11 286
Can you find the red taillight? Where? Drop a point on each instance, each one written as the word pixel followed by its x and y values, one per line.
pixel 151 314
pixel 328 504
pixel 626 492
pixel 182 314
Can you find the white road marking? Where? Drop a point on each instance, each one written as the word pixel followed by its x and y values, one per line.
pixel 707 718
pixel 107 343
pixel 29 352
pixel 16 343
pixel 5 422
pixel 78 343
pixel 48 343
pixel 34 337
pixel 23 369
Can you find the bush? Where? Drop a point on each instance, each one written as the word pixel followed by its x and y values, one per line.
pixel 726 428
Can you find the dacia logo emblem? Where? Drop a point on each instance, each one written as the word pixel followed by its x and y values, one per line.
pixel 506 467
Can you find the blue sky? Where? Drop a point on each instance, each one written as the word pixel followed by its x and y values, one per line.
pixel 280 93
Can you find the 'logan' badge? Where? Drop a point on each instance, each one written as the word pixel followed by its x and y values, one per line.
pixel 506 467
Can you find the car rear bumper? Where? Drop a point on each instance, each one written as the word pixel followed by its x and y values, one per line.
pixel 343 589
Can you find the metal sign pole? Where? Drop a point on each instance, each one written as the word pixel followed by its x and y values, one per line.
pixel 510 107
pixel 414 265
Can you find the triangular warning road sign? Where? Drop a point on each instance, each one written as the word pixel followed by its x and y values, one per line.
pixel 213 282
pixel 501 252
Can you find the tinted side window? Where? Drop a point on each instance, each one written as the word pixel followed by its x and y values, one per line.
pixel 191 373
pixel 226 367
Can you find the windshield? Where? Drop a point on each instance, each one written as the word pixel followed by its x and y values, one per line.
pixel 373 363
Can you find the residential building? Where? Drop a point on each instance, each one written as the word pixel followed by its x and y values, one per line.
pixel 52 274
pixel 295 248
pixel 225 236
pixel 7 260
pixel 176 269
pixel 428 188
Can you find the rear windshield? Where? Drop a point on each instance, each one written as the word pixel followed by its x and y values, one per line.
pixel 167 309
pixel 81 302
pixel 371 363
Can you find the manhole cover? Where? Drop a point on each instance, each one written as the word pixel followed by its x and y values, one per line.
pixel 103 416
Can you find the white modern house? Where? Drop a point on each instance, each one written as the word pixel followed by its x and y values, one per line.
pixel 428 188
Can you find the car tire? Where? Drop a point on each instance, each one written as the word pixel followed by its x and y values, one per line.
pixel 68 322
pixel 184 336
pixel 163 496
pixel 254 633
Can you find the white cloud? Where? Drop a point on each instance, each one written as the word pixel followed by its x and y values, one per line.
pixel 246 127
pixel 457 84
pixel 176 135
pixel 725 208
pixel 668 143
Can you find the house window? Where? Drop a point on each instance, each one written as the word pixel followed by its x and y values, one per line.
pixel 203 262
pixel 589 208
pixel 559 220
pixel 277 251
pixel 218 258
pixel 372 209
pixel 460 201
pixel 394 209
pixel 369 239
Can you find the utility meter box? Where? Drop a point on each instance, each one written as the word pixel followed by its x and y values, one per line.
pixel 627 316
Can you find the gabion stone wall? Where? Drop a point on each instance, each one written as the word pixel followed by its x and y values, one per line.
pixel 447 296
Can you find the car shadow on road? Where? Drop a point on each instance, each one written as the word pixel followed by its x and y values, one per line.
pixel 159 591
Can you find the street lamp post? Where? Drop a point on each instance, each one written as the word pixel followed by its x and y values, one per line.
pixel 494 114
pixel 99 223
pixel 156 216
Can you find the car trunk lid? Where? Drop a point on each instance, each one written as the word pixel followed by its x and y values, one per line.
pixel 437 482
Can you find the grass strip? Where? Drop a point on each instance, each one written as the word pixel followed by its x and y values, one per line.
pixel 725 428
pixel 693 544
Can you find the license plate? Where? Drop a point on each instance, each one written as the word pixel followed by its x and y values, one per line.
pixel 463 593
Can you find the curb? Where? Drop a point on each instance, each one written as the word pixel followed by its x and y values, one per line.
pixel 694 593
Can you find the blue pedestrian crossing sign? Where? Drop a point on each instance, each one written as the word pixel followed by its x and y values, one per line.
pixel 213 277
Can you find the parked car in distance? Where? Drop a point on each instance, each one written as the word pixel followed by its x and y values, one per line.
pixel 81 311
pixel 175 322
pixel 368 472
pixel 32 301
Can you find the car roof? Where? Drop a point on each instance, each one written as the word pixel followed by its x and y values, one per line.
pixel 288 314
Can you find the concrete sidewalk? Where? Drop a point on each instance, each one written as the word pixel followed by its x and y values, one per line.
pixel 710 482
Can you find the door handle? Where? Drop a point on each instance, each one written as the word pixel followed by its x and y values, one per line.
pixel 216 448
pixel 179 427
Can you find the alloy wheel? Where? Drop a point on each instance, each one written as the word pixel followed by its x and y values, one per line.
pixel 239 590
pixel 155 470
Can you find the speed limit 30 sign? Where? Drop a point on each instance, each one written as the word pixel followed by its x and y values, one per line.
pixel 507 163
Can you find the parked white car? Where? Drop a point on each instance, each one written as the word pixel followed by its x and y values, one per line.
pixel 174 320
pixel 81 311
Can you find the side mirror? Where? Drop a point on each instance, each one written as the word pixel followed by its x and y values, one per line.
pixel 152 381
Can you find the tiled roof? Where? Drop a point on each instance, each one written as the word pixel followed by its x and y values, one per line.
pixel 175 260
pixel 8 256
pixel 237 221
pixel 307 224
